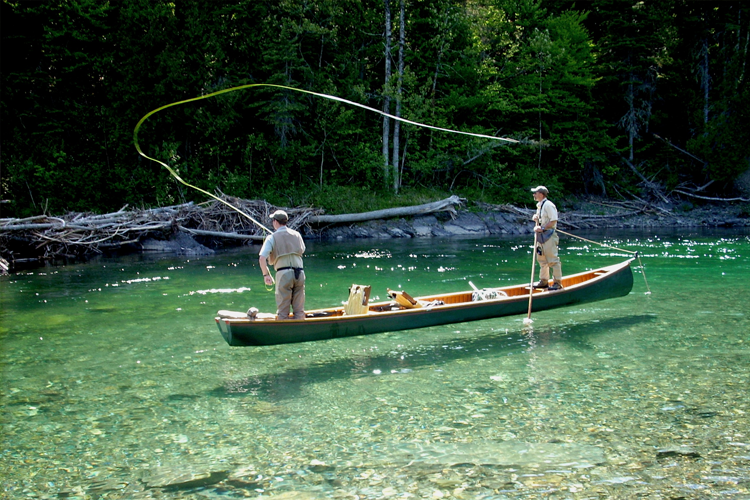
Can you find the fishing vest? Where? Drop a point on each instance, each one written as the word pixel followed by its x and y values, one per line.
pixel 546 214
pixel 287 248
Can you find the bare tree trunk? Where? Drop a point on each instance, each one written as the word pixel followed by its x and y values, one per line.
pixel 397 125
pixel 434 88
pixel 403 157
pixel 283 126
pixel 386 89
pixel 633 129
pixel 705 79
pixel 541 90
pixel 437 73
pixel 322 162
pixel 630 121
pixel 740 50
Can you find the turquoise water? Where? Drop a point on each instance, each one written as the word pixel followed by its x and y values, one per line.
pixel 117 384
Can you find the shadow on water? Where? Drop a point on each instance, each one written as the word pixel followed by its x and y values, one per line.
pixel 290 383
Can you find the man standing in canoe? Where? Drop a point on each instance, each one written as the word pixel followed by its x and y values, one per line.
pixel 546 240
pixel 284 249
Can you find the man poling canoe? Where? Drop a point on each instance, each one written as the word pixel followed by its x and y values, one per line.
pixel 545 247
pixel 546 240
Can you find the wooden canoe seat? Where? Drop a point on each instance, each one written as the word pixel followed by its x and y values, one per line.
pixel 403 299
pixel 224 314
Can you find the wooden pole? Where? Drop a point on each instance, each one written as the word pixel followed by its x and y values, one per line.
pixel 528 319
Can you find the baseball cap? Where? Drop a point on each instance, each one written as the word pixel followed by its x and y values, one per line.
pixel 280 216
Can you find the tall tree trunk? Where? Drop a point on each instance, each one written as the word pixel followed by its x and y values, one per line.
pixel 541 91
pixel 739 50
pixel 386 89
pixel 705 78
pixel 397 125
pixel 322 162
pixel 630 121
pixel 434 88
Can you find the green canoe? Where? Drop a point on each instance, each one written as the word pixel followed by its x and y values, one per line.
pixel 598 284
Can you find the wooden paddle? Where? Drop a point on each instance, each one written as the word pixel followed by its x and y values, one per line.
pixel 528 320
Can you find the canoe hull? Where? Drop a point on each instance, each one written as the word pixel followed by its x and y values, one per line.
pixel 600 284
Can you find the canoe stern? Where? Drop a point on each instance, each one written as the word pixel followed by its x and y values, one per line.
pixel 226 332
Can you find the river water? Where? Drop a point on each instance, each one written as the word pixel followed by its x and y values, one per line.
pixel 116 382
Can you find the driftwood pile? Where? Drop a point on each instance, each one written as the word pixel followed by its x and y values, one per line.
pixel 79 235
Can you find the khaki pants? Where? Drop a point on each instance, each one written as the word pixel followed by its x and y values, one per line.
pixel 290 292
pixel 549 259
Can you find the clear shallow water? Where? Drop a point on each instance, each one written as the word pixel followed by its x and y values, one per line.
pixel 117 383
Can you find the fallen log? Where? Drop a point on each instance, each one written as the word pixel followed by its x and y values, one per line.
pixel 173 208
pixel 27 227
pixel 709 198
pixel 27 219
pixel 148 227
pixel 446 205
pixel 220 234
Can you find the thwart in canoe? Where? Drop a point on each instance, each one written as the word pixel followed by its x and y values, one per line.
pixel 405 312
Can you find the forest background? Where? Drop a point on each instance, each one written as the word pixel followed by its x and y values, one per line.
pixel 606 97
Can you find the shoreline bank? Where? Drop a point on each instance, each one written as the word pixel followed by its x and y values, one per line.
pixel 518 222
pixel 167 235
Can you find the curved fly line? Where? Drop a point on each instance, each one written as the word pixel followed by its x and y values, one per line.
pixel 325 96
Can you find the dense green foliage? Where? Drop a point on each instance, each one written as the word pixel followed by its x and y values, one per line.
pixel 606 96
